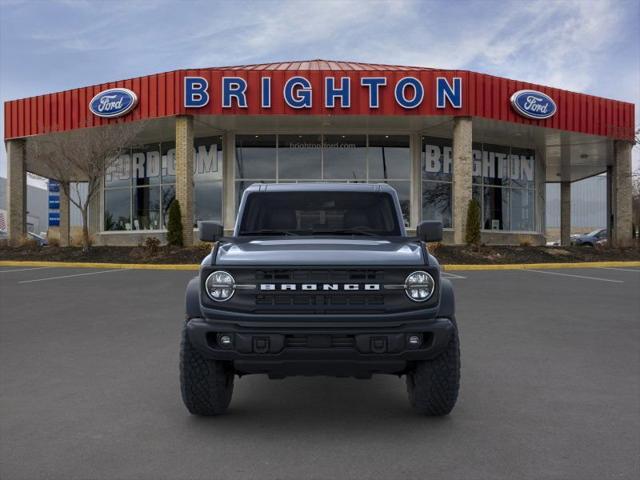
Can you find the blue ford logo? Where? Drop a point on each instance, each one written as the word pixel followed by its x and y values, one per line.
pixel 533 104
pixel 114 102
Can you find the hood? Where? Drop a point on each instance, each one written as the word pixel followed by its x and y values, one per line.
pixel 320 251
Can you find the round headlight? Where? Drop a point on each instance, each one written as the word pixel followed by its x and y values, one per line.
pixel 220 286
pixel 419 286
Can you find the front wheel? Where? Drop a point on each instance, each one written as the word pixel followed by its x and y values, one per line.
pixel 433 384
pixel 206 385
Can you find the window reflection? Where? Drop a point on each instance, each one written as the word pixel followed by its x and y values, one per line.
pixel 255 156
pixel 299 157
pixel 117 209
pixel 389 156
pixel 345 157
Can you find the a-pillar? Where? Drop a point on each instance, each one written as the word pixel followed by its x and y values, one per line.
pixel 462 175
pixel 565 213
pixel 65 215
pixel 184 174
pixel 621 193
pixel 16 191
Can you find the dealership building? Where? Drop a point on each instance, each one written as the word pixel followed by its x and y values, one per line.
pixel 439 137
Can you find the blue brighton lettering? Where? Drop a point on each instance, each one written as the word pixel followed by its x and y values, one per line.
pixel 400 92
pixel 195 92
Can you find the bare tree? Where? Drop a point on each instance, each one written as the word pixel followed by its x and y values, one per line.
pixel 82 156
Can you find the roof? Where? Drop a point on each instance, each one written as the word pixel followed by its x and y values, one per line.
pixel 320 64
pixel 163 95
pixel 320 187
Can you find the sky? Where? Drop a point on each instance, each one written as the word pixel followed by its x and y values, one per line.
pixel 590 46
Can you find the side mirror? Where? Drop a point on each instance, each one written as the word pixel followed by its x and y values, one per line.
pixel 430 231
pixel 209 231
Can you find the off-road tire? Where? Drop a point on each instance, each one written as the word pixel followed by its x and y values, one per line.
pixel 206 385
pixel 433 385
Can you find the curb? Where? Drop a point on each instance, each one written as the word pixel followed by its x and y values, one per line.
pixel 128 266
pixel 195 266
pixel 525 266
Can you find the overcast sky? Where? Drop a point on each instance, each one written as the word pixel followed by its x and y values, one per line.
pixel 582 45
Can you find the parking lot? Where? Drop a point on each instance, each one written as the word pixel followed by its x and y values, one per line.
pixel 89 388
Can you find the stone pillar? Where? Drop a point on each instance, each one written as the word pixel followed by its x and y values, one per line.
pixel 462 175
pixel 228 182
pixel 16 191
pixel 565 213
pixel 416 180
pixel 621 184
pixel 65 215
pixel 184 174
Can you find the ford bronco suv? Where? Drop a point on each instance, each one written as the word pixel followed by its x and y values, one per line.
pixel 319 279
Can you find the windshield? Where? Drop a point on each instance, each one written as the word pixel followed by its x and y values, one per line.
pixel 318 213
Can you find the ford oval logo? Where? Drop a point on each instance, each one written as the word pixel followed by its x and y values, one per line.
pixel 114 102
pixel 533 104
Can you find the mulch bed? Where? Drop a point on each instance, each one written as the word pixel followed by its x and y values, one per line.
pixel 446 254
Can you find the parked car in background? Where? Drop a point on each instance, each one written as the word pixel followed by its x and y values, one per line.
pixel 591 239
pixel 39 239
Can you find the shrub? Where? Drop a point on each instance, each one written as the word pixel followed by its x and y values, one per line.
pixel 152 245
pixel 174 226
pixel 54 242
pixel 434 247
pixel 472 234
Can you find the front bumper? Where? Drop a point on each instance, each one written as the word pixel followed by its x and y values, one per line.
pixel 353 350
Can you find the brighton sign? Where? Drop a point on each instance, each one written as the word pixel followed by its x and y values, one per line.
pixel 298 93
pixel 533 104
pixel 113 103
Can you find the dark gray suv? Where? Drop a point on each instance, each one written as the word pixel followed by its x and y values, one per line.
pixel 319 279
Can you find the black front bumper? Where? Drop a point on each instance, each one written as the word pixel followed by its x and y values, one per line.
pixel 296 348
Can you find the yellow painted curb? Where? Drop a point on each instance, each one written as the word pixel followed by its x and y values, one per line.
pixel 132 266
pixel 525 266
pixel 194 266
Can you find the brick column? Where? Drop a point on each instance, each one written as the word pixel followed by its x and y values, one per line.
pixel 228 182
pixel 65 215
pixel 621 185
pixel 462 175
pixel 16 191
pixel 184 174
pixel 565 213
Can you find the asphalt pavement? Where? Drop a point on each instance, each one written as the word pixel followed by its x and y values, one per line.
pixel 89 388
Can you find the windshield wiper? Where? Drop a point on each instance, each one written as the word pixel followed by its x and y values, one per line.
pixel 269 231
pixel 350 231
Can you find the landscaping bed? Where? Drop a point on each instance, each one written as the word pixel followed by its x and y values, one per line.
pixel 446 254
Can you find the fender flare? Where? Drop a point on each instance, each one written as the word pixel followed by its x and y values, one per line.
pixel 192 299
pixel 447 306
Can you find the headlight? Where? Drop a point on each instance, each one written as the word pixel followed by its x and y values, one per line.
pixel 220 286
pixel 419 286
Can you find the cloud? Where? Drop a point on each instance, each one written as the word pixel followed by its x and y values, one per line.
pixel 584 45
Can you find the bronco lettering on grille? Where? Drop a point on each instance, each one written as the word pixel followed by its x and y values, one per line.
pixel 319 286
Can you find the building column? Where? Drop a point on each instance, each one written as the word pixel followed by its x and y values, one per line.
pixel 184 174
pixel 228 182
pixel 416 180
pixel 16 191
pixel 565 213
pixel 65 215
pixel 462 175
pixel 620 234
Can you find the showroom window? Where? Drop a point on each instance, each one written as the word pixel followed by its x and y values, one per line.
pixel 140 185
pixel 503 183
pixel 437 175
pixel 325 158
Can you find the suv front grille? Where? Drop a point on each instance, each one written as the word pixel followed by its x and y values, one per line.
pixel 250 297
